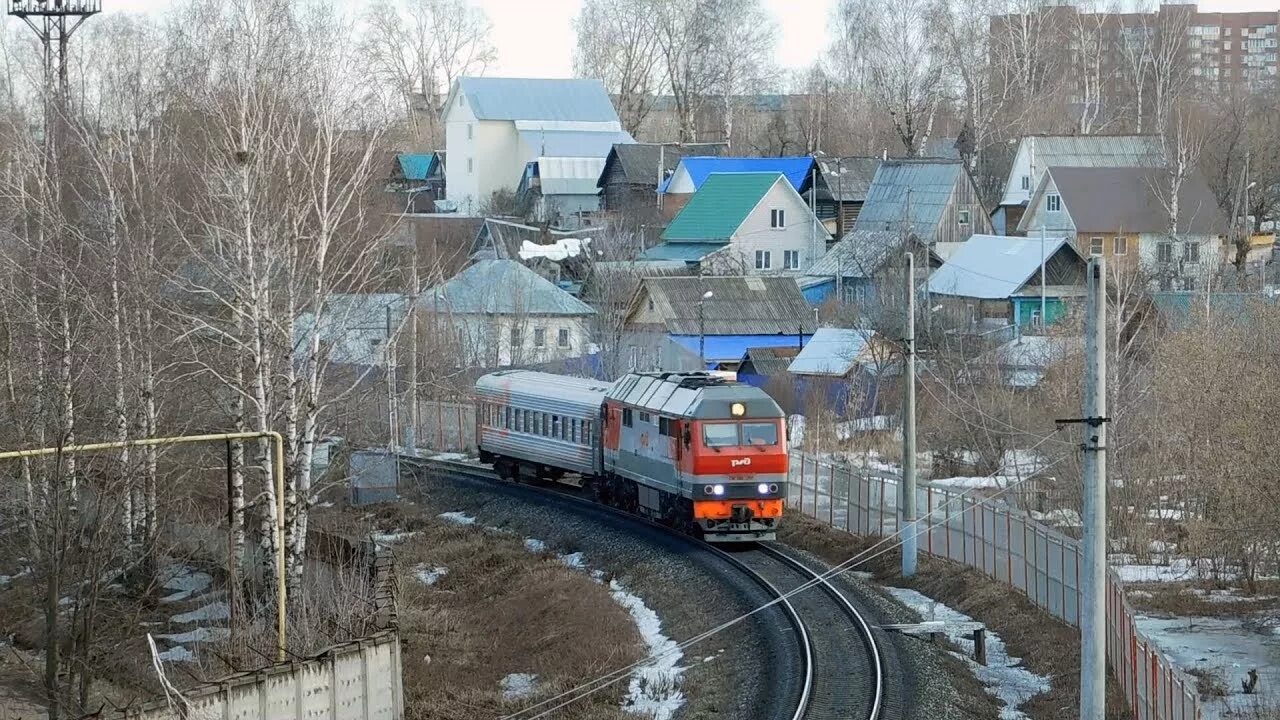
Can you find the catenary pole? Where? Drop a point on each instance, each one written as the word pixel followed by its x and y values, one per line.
pixel 908 500
pixel 1093 678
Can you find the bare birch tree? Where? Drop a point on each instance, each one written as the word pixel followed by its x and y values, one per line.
pixel 616 43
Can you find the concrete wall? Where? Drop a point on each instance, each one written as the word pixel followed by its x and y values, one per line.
pixel 359 680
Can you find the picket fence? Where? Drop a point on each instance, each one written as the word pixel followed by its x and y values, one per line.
pixel 1005 544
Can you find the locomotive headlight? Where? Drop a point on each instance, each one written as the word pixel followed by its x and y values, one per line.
pixel 762 488
pixel 717 489
pixel 737 409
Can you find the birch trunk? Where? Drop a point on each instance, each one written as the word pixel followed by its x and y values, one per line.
pixel 68 428
pixel 121 408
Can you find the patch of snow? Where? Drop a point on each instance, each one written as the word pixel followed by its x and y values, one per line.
pixel 1229 596
pixel 561 249
pixel 654 690
pixel 448 456
pixel 177 653
pixel 1003 676
pixel 199 635
pixel 1022 463
pixel 1230 647
pixel 574 560
pixel 393 537
pixel 458 518
pixel 1177 570
pixel 186 580
pixel 324 505
pixel 990 482
pixel 6 579
pixel 212 611
pixel 1061 517
pixel 850 428
pixel 1160 546
pixel 519 685
pixel 534 545
pixel 429 576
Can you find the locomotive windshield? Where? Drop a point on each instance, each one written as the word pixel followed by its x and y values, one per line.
pixel 737 434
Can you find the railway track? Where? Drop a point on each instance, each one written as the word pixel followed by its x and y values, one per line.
pixel 838 671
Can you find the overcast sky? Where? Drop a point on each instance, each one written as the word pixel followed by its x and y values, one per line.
pixel 535 37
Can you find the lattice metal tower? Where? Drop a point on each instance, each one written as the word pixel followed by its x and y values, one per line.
pixel 54 22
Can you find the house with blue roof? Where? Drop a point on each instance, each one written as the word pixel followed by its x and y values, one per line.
pixel 994 281
pixel 932 199
pixel 495 127
pixel 692 171
pixel 743 223
pixel 417 179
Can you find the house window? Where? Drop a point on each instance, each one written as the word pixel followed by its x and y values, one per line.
pixel 471 130
pixel 790 259
pixel 635 357
pixel 964 217
pixel 1026 182
pixel 1191 252
pixel 651 303
pixel 973 314
pixel 1120 245
pixel 664 427
pixel 1164 252
pixel 645 417
pixel 1189 284
pixel 777 218
pixel 1053 202
pixel 1095 246
pixel 764 260
pixel 626 417
pixel 562 337
pixel 470 165
pixel 515 338
pixel 539 337
pixel 1035 318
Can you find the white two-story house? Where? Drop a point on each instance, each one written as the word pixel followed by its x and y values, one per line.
pixel 495 127
pixel 744 224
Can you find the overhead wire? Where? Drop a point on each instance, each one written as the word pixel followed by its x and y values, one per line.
pixel 599 683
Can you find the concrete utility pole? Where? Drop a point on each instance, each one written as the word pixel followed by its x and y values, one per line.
pixel 702 330
pixel 908 500
pixel 1093 619
pixel 411 427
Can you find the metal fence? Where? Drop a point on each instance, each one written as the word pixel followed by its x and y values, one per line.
pixel 1008 546
pixel 446 426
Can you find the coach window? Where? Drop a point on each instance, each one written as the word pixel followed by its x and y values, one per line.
pixel 720 434
pixel 759 434
pixel 586 433
pixel 557 427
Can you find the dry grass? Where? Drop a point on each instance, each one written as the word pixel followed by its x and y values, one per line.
pixel 500 609
pixel 1047 646
pixel 1189 600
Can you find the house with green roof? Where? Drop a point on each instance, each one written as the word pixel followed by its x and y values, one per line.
pixel 743 223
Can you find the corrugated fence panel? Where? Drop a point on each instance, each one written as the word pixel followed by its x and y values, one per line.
pixel 1005 544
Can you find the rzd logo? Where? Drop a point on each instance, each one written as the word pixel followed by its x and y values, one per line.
pixel 740 462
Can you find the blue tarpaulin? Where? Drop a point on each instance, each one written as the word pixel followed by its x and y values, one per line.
pixel 731 348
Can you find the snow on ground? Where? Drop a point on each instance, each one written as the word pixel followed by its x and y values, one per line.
pixel 1129 570
pixel 575 560
pixel 850 428
pixel 1229 647
pixel 1061 517
pixel 655 685
pixel 1003 676
pixel 391 538
pixel 654 690
pixel 212 611
pixel 187 581
pixel 990 482
pixel 429 575
pixel 1229 596
pixel 177 653
pixel 1022 463
pixel 519 685
pixel 6 579
pixel 199 635
pixel 448 456
pixel 458 518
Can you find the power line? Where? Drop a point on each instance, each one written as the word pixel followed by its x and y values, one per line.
pixel 599 683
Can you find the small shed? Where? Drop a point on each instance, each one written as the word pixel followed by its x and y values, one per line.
pixel 842 368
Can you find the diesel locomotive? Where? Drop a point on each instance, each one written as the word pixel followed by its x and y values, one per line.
pixel 692 450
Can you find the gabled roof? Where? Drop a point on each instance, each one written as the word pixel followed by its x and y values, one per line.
pixel 418 166
pixel 859 254
pixel 493 98
pixel 831 351
pixel 849 178
pixel 738 305
pixel 700 167
pixel 574 143
pixel 720 206
pixel 993 267
pixel 941 147
pixel 501 287
pixel 930 183
pixel 1128 199
pixel 1095 150
pixel 769 361
pixel 639 161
